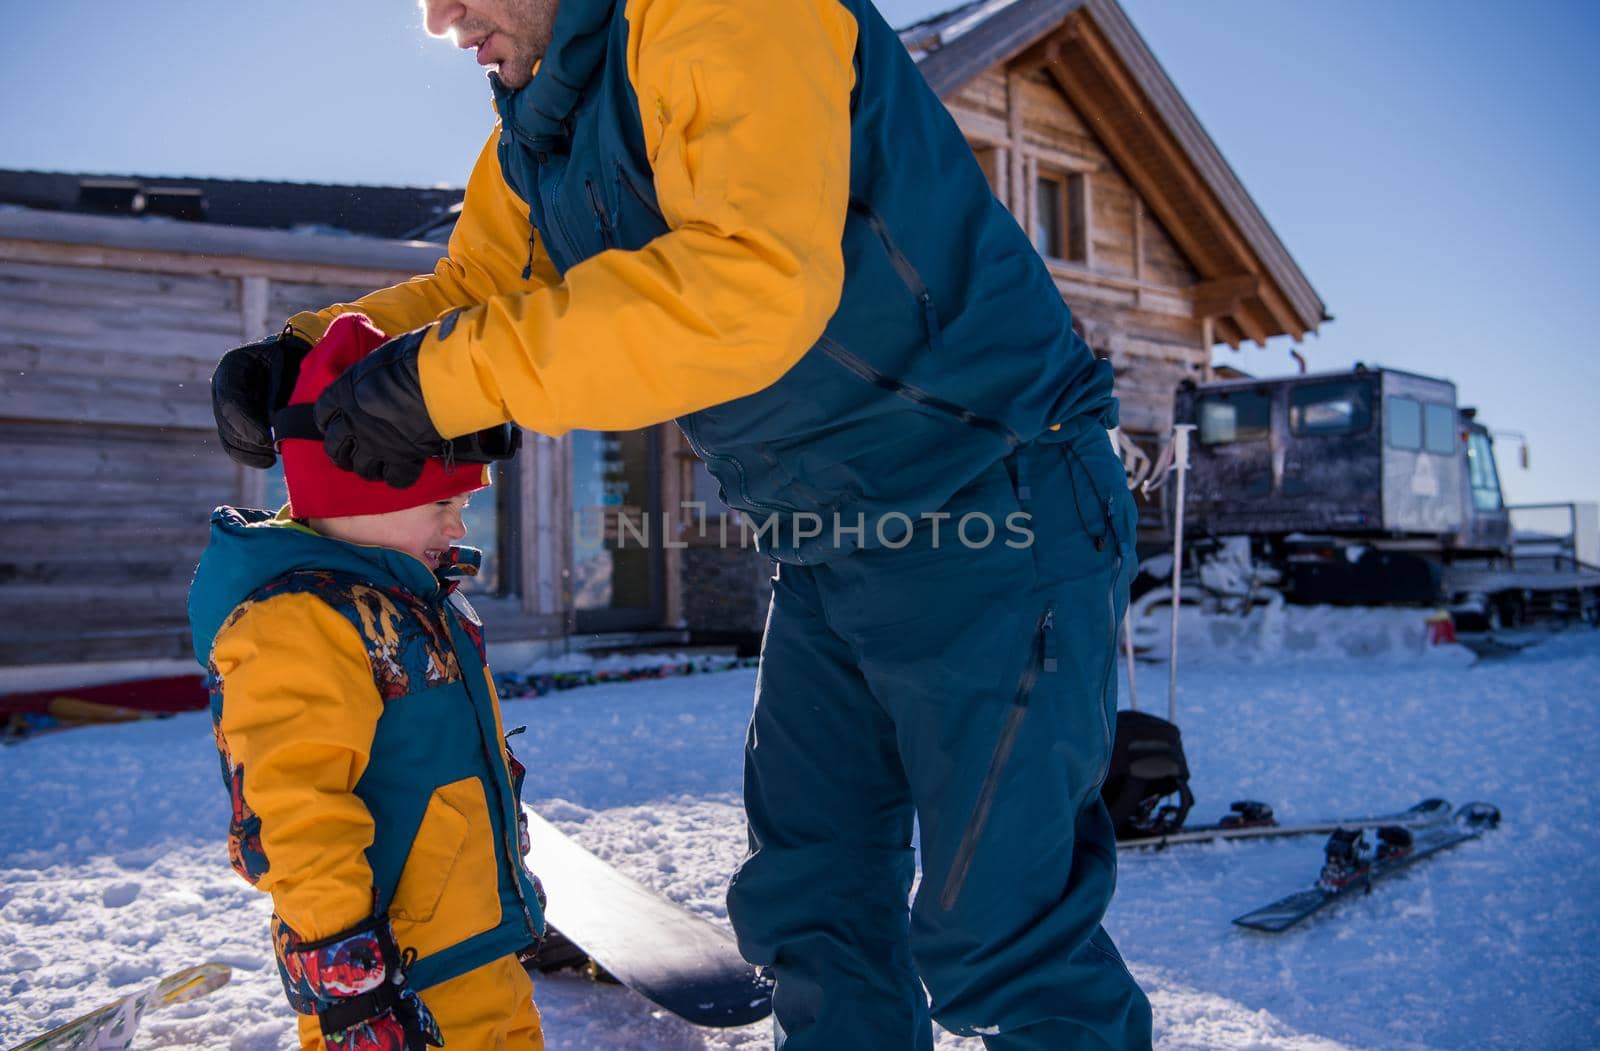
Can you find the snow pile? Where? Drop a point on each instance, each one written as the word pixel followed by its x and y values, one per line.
pixel 1275 634
pixel 570 670
pixel 113 866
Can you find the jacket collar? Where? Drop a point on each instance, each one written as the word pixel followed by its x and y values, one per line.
pixel 537 113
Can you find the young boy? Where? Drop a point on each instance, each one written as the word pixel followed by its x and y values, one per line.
pixel 373 794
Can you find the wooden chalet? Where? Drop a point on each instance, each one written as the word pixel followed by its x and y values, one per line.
pixel 1152 240
pixel 118 294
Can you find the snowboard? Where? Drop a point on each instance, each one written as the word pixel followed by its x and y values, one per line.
pixel 656 947
pixel 1352 866
pixel 1251 820
pixel 115 1025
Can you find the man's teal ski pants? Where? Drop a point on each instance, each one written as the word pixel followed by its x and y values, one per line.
pixel 968 687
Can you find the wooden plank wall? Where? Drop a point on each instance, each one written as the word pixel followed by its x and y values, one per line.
pixel 107 456
pixel 108 460
pixel 1133 293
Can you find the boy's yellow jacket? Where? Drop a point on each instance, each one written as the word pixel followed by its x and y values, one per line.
pixel 361 742
pixel 745 115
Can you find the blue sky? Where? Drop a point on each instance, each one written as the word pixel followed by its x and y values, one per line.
pixel 1433 165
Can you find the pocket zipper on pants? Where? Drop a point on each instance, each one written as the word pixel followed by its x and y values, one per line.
pixel 1041 658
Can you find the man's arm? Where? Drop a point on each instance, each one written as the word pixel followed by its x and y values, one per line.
pixel 489 249
pixel 746 114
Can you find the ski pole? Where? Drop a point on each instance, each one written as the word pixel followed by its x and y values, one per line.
pixel 1180 460
pixel 1127 646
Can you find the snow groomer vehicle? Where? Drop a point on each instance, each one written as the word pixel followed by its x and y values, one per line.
pixel 1373 487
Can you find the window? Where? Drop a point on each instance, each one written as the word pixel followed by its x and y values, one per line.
pixel 989 160
pixel 1439 428
pixel 1059 210
pixel 1403 423
pixel 483 519
pixel 1048 216
pixel 1481 473
pixel 1330 408
pixel 1241 416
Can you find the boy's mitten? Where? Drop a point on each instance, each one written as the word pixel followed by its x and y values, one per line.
pixel 355 983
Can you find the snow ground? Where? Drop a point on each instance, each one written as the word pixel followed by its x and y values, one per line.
pixel 113 868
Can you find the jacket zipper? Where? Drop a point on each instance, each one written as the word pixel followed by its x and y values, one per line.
pixel 1111 643
pixel 602 221
pixel 508 833
pixel 907 271
pixel 623 180
pixel 886 382
pixel 1041 657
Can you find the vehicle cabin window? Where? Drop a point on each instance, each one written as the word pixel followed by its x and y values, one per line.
pixel 1402 423
pixel 1330 408
pixel 1439 428
pixel 1481 473
pixel 1238 416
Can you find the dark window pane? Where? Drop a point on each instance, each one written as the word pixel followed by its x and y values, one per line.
pixel 614 564
pixel 1439 427
pixel 1403 423
pixel 1239 416
pixel 1047 218
pixel 1330 408
pixel 482 519
pixel 1482 474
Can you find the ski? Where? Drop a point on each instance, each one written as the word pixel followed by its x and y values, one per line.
pixel 1352 866
pixel 1252 820
pixel 115 1024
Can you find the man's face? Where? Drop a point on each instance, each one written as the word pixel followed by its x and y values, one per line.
pixel 508 36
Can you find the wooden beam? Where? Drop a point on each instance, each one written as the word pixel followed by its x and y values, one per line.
pixel 1138 239
pixel 1222 295
pixel 991 131
pixel 1282 314
pixel 1041 54
pixel 1020 208
pixel 1245 318
pixel 254 292
pixel 182 263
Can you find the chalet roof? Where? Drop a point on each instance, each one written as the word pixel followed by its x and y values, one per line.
pixel 393 212
pixel 1092 52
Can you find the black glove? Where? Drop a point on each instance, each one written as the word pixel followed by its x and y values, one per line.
pixel 373 418
pixel 355 983
pixel 250 384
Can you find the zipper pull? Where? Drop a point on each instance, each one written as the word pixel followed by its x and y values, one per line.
pixel 1047 635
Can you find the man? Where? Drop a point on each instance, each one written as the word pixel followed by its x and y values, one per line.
pixel 757 219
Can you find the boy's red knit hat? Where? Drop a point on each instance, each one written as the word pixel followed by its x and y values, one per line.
pixel 318 488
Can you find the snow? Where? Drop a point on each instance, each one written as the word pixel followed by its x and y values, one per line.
pixel 113 868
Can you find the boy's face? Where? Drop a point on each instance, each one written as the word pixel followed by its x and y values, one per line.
pixel 425 531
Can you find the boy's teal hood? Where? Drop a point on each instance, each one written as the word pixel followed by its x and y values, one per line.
pixel 250 548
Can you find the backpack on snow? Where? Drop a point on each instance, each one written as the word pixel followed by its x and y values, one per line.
pixel 1147 787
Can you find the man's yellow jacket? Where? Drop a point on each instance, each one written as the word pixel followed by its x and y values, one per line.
pixel 755 218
